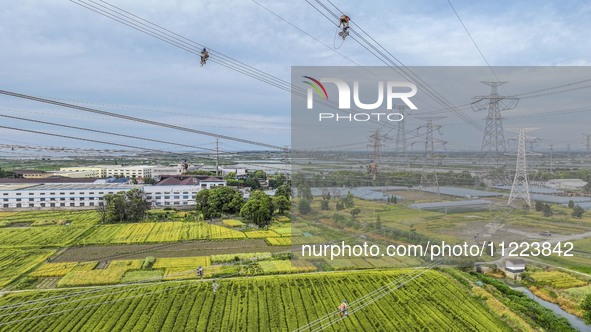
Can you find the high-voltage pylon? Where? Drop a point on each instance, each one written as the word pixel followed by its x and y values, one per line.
pixel 400 144
pixel 493 141
pixel 520 188
pixel 376 144
pixel 429 172
pixel 587 145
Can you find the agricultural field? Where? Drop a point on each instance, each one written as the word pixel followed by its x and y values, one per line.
pixel 432 302
pixel 226 258
pixel 232 223
pixel 261 234
pixel 42 236
pixel 155 232
pixel 556 279
pixel 14 262
pixel 286 266
pixel 111 275
pixel 278 241
pixel 181 268
pixel 47 218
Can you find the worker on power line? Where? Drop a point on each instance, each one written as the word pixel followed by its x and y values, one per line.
pixel 204 56
pixel 343 309
pixel 344 21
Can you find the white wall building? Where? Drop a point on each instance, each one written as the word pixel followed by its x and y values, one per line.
pixel 131 171
pixel 58 195
pixel 172 196
pixel 96 171
pixel 566 184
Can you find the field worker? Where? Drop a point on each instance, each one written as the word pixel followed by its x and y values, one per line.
pixel 343 309
pixel 200 272
pixel 215 286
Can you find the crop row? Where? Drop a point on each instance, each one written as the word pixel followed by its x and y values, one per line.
pixel 431 303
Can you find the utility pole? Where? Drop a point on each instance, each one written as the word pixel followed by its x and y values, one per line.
pixel 429 172
pixel 493 141
pixel 217 155
pixel 551 150
pixel 520 188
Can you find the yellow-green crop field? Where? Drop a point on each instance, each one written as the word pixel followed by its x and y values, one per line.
pixel 153 232
pixel 14 262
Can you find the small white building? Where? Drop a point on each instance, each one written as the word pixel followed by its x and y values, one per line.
pixel 515 265
pixel 131 171
pixel 172 196
pixel 566 184
pixel 211 182
pixel 95 171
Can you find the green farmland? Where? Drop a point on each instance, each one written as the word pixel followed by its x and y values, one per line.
pixel 431 302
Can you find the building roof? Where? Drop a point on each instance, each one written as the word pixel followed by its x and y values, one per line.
pixel 211 179
pixel 516 261
pixel 75 186
pixel 48 180
pixel 27 171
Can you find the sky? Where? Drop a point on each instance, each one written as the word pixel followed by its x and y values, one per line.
pixel 60 50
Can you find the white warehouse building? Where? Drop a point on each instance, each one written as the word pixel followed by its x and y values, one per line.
pixel 58 195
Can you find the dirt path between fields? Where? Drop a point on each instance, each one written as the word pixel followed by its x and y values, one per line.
pixel 162 250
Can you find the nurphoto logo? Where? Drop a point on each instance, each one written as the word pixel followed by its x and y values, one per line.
pixel 392 89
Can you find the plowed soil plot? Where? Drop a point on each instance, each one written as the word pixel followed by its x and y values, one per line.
pixel 179 249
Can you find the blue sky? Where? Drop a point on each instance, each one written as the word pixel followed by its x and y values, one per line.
pixel 60 50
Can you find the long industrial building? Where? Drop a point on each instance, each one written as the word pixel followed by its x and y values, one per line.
pixel 24 194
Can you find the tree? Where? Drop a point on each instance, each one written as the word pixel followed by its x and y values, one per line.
pixel 150 181
pixel 324 204
pixel 348 200
pixel 260 175
pixel 130 206
pixel 203 203
pixel 571 204
pixel 277 180
pixel 230 176
pixel 378 222
pixel 539 205
pixel 355 212
pixel 304 191
pixel 586 307
pixel 304 206
pixel 283 190
pixel 226 200
pixel 258 209
pixel 547 210
pixel 212 203
pixel 5 174
pixel 578 212
pixel 281 203
pixel 340 206
pixel 252 183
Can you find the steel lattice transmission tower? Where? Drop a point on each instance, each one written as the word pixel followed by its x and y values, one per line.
pixel 428 172
pixel 520 188
pixel 588 143
pixel 401 143
pixel 493 141
pixel 376 144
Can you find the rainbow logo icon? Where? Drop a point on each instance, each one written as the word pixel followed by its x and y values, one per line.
pixel 317 86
